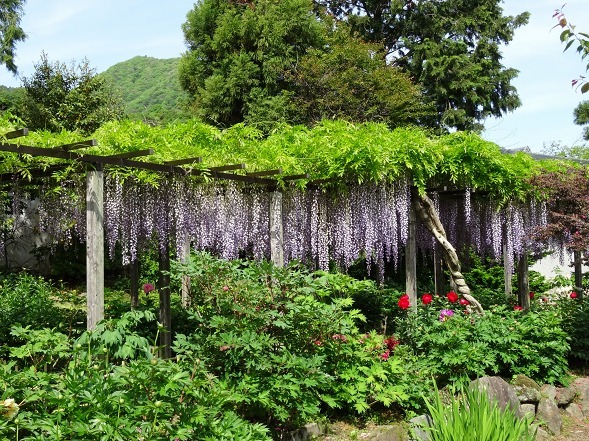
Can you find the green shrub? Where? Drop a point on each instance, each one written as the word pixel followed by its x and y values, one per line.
pixel 27 300
pixel 500 342
pixel 574 314
pixel 288 340
pixel 113 387
pixel 472 416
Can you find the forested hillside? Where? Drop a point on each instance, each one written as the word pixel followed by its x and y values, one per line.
pixel 150 88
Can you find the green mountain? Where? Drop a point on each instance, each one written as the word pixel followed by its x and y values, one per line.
pixel 149 88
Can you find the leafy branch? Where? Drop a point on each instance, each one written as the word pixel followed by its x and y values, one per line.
pixel 571 36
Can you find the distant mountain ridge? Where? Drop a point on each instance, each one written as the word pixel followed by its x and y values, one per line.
pixel 150 88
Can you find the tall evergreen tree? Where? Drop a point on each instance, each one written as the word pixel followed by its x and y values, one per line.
pixel 10 31
pixel 59 97
pixel 450 47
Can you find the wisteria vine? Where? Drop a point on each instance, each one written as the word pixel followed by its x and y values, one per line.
pixel 320 227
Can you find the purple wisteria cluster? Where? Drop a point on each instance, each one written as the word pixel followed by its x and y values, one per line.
pixel 319 226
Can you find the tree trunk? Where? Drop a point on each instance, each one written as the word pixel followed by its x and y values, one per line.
pixel 426 212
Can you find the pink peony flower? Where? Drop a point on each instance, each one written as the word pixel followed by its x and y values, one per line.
pixel 147 288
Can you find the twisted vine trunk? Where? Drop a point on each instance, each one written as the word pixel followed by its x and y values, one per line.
pixel 425 210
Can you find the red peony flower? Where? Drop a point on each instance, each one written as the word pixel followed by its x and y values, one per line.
pixel 147 288
pixel 385 355
pixel 573 295
pixel 426 298
pixel 517 308
pixel 391 343
pixel 403 302
pixel 464 302
pixel 452 296
pixel 532 294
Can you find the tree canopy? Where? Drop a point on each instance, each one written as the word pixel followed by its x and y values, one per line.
pixel 258 61
pixel 238 53
pixel 451 48
pixel 268 62
pixel 10 31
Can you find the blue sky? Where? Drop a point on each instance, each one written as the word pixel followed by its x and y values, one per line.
pixel 108 32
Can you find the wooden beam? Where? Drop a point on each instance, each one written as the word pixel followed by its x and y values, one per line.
pixel 228 167
pixel 197 160
pixel 128 155
pixel 77 145
pixel 106 160
pixel 295 177
pixel 277 171
pixel 94 246
pixel 16 133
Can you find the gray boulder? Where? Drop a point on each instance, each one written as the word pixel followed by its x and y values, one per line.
pixel 499 390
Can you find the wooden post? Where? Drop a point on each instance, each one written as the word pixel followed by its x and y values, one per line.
pixel 507 270
pixel 134 275
pixel 276 232
pixel 411 261
pixel 185 279
pixel 94 246
pixel 165 312
pixel 523 286
pixel 578 263
pixel 439 277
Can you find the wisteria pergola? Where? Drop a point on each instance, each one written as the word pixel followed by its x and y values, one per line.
pixel 285 223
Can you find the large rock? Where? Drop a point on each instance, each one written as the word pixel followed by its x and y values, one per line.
pixel 417 424
pixel 499 390
pixel 526 389
pixel 565 395
pixel 548 414
pixel 582 387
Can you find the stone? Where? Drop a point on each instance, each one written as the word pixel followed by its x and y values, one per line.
pixel 582 387
pixel 548 391
pixel 528 409
pixel 574 410
pixel 548 414
pixel 390 433
pixel 542 435
pixel 303 434
pixel 565 395
pixel 417 423
pixel 499 390
pixel 526 389
pixel 521 380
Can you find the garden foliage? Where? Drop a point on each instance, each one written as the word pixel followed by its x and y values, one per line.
pixel 471 415
pixel 260 350
pixel 455 343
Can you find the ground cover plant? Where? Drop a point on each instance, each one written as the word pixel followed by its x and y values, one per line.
pixel 260 351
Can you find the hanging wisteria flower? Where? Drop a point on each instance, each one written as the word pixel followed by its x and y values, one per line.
pixel 445 314
pixel 573 295
pixel 403 302
pixel 452 297
pixel 427 298
pixel 147 288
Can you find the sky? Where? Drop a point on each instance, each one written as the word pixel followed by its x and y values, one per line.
pixel 107 32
